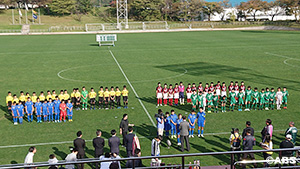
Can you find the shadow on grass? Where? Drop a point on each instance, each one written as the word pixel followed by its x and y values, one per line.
pixel 146 130
pixel 199 69
pixel 7 114
pixel 13 162
pixel 59 153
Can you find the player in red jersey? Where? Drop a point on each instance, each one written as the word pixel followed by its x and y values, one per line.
pixel 194 87
pixel 63 110
pixel 200 87
pixel 181 93
pixel 171 95
pixel 165 94
pixel 242 87
pixel 212 87
pixel 230 87
pixel 188 93
pixel 159 95
pixel 224 88
pixel 218 89
pixel 206 89
pixel 176 94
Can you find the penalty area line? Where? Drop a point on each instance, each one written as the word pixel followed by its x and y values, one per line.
pixel 135 93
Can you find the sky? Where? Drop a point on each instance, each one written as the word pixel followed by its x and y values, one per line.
pixel 233 2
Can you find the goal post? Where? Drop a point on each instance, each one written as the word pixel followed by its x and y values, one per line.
pixel 108 39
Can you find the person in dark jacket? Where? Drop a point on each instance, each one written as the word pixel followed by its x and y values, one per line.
pixel 129 140
pixel 287 144
pixel 79 144
pixel 124 128
pixel 248 143
pixel 137 163
pixel 98 144
pixel 248 124
pixel 114 142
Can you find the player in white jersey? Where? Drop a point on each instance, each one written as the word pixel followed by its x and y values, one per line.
pixel 223 89
pixel 278 97
pixel 218 89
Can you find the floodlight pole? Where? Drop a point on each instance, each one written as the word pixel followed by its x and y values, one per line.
pixel 122 14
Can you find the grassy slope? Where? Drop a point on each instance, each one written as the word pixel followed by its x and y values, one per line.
pixel 31 63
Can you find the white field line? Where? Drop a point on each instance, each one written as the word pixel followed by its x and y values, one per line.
pixel 70 142
pixel 132 88
pixel 285 61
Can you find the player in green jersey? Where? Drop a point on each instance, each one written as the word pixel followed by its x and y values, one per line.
pixel 232 96
pixel 255 96
pixel 200 100
pixel 248 98
pixel 285 94
pixel 223 103
pixel 292 130
pixel 215 99
pixel 267 98
pixel 194 99
pixel 209 101
pixel 262 99
pixel 240 99
pixel 84 98
pixel 272 99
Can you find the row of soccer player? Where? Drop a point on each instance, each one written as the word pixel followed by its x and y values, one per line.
pixel 171 123
pixel 178 92
pixel 77 98
pixel 46 110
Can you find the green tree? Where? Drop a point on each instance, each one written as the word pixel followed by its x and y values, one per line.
pixel 62 7
pixel 292 7
pixel 210 8
pixel 83 6
pixel 146 10
pixel 274 9
pixel 253 6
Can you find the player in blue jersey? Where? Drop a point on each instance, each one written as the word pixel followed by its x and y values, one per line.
pixel 192 121
pixel 167 126
pixel 56 109
pixel 14 113
pixel 38 110
pixel 201 121
pixel 45 110
pixel 29 109
pixel 20 109
pixel 70 110
pixel 179 120
pixel 50 110
pixel 173 120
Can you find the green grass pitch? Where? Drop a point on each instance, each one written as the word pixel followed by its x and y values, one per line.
pixel 32 63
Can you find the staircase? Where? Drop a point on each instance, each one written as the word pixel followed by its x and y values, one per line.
pixel 25 29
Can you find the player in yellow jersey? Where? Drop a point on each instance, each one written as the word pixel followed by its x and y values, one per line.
pixel 118 97
pixel 100 96
pixel 22 98
pixel 73 98
pixel 61 96
pixel 78 98
pixel 9 100
pixel 15 99
pixel 34 98
pixel 106 97
pixel 112 94
pixel 27 95
pixel 42 97
pixel 66 95
pixel 49 95
pixel 53 95
pixel 125 96
pixel 92 96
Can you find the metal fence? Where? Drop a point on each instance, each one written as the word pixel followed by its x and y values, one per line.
pixel 182 156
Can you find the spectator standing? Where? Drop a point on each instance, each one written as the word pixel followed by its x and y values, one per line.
pixel 114 142
pixel 124 128
pixel 235 142
pixel 160 125
pixel 292 130
pixel 155 150
pixel 267 145
pixel 98 144
pixel 129 140
pixel 52 160
pixel 287 144
pixel 29 157
pixel 268 129
pixel 248 127
pixel 71 158
pixel 137 163
pixel 184 134
pixel 79 144
pixel 248 143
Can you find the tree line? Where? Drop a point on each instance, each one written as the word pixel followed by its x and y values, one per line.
pixel 169 10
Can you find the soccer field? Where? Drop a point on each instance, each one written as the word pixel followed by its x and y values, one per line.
pixel 46 62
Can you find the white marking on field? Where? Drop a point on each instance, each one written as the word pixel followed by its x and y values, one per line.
pixel 285 61
pixel 71 142
pixel 132 88
pixel 138 81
